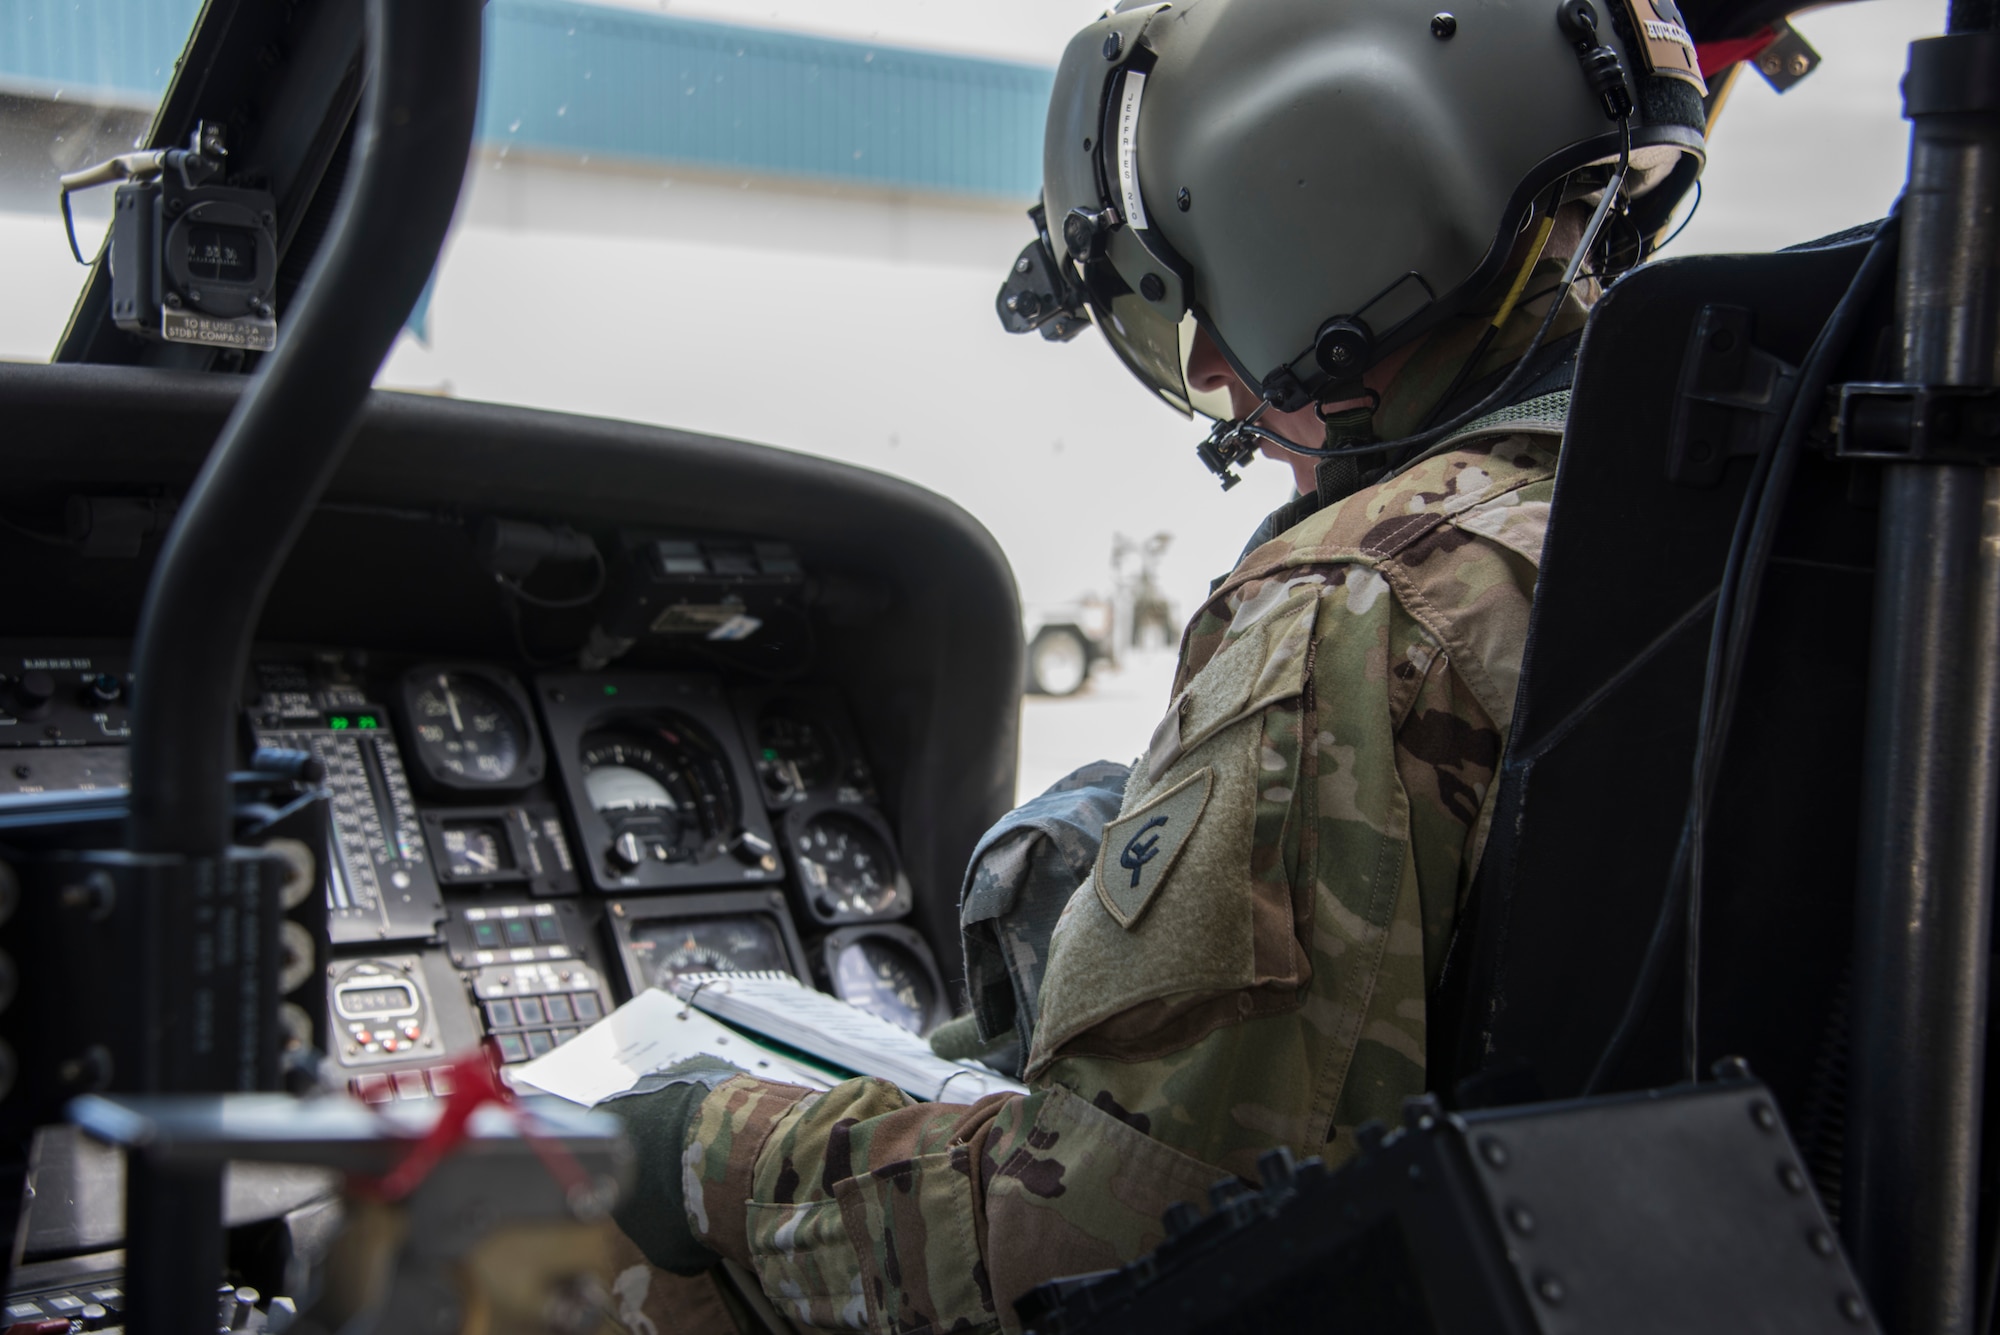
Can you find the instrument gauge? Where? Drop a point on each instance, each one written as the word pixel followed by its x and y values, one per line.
pixel 662 788
pixel 846 865
pixel 470 729
pixel 794 754
pixel 657 769
pixel 887 972
pixel 476 850
pixel 667 949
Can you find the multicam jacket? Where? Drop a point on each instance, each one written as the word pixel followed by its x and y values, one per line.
pixel 1246 966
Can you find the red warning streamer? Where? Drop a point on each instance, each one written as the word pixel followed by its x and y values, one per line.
pixel 475 1082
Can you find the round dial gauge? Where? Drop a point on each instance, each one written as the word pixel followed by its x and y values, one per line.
pixel 845 866
pixel 476 850
pixel 667 950
pixel 467 729
pixel 883 978
pixel 662 788
pixel 794 754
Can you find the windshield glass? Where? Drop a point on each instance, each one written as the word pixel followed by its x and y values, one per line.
pixel 785 221
pixel 79 81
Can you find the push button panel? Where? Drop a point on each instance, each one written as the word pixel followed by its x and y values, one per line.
pixel 531 1009
pixel 481 935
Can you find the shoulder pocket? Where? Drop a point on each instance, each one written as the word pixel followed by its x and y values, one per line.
pixel 1189 897
pixel 1260 668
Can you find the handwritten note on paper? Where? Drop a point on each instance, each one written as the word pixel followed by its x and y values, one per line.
pixel 650 1033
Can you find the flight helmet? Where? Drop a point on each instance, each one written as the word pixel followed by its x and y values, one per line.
pixel 1317 182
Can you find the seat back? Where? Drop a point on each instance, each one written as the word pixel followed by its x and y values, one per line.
pixel 1595 784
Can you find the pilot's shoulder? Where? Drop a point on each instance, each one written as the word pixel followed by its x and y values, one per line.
pixel 1475 488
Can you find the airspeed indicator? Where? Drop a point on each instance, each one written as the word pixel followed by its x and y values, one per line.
pixel 469 730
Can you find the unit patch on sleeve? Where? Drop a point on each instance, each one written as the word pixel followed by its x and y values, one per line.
pixel 1139 849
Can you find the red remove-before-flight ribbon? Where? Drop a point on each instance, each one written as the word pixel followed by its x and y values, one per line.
pixel 475 1082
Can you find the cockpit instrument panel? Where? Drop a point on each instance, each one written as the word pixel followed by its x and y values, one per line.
pixel 660 939
pixel 466 814
pixel 656 785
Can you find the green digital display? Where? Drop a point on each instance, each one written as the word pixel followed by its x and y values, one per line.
pixel 353 722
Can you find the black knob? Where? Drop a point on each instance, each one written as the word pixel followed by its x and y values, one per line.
pixel 749 848
pixel 34 691
pixel 627 852
pixel 106 689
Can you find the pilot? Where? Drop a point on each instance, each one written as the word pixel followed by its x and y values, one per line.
pixel 1365 237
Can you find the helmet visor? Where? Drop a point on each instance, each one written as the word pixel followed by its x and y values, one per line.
pixel 1097 212
pixel 1144 329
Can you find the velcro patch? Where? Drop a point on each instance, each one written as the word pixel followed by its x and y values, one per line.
pixel 1139 849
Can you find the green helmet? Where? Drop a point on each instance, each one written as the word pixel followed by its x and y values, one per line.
pixel 1316 182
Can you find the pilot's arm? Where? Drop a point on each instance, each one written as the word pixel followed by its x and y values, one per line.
pixel 1246 966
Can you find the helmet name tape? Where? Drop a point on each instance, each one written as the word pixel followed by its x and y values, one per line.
pixel 1128 150
pixel 1664 44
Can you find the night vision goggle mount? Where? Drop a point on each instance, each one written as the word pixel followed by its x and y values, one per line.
pixel 1038 294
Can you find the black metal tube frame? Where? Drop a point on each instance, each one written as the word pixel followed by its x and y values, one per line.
pixel 280 447
pixel 269 467
pixel 1924 913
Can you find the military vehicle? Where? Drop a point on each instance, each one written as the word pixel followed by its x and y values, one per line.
pixel 346 730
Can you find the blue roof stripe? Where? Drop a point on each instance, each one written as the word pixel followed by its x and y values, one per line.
pixel 122 48
pixel 582 80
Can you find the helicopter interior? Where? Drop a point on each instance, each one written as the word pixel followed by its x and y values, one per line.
pixel 598 704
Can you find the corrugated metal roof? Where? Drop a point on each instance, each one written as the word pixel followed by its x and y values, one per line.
pixel 584 80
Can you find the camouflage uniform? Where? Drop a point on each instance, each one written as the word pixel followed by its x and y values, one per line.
pixel 1248 962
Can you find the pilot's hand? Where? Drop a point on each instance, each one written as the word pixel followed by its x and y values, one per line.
pixel 656 1112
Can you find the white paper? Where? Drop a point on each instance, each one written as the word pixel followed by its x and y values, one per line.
pixel 843 1035
pixel 649 1033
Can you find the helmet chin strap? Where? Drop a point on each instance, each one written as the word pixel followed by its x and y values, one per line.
pixel 1339 474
